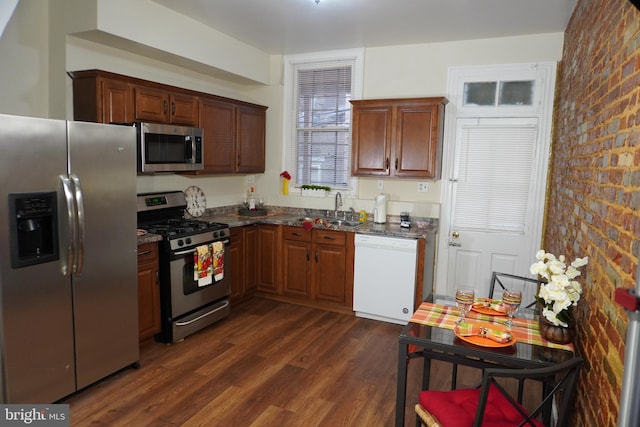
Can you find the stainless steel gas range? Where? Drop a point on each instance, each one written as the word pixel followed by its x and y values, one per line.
pixel 190 300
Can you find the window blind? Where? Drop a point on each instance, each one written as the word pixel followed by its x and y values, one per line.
pixel 322 123
pixel 492 191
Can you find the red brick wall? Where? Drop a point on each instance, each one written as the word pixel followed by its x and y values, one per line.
pixel 593 204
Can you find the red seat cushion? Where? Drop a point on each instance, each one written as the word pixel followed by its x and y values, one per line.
pixel 457 408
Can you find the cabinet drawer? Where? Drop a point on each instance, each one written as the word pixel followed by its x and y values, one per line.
pixel 329 237
pixel 147 252
pixel 296 233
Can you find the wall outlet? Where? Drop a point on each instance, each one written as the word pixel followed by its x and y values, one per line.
pixel 251 179
pixel 380 184
pixel 423 187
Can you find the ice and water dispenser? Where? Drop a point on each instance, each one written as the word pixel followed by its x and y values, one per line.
pixel 33 228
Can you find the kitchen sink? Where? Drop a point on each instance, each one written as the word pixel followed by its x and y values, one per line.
pixel 332 221
pixel 345 223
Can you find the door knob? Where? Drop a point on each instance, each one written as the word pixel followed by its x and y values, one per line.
pixel 455 234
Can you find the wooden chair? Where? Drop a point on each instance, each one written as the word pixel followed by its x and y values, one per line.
pixel 491 405
pixel 527 285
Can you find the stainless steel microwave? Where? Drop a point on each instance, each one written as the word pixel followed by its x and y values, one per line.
pixel 169 148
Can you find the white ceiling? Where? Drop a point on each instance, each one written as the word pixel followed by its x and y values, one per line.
pixel 297 26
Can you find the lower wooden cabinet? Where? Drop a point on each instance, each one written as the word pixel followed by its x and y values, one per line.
pixel 318 265
pixel 269 240
pixel 242 252
pixel 290 264
pixel 148 291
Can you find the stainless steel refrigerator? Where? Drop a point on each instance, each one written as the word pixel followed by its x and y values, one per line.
pixel 68 265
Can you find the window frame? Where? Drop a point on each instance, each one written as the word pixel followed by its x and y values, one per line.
pixel 291 62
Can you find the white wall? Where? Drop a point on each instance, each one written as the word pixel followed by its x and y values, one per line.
pixel 24 61
pixel 394 71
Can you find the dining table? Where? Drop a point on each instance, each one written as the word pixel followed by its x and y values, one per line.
pixel 432 334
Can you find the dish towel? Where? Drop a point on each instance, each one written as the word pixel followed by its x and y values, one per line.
pixel 203 265
pixel 217 253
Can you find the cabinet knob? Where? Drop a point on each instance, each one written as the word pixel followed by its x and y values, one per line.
pixel 396 163
pixel 165 106
pixel 387 164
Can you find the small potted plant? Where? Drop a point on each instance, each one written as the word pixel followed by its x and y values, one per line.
pixel 558 296
pixel 312 190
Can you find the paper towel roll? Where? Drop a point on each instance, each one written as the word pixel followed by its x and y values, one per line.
pixel 380 209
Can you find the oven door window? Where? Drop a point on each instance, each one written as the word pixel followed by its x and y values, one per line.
pixel 189 285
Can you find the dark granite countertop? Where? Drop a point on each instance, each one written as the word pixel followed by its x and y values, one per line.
pixel 420 227
pixel 149 238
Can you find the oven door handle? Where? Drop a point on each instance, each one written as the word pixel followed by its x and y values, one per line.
pixel 226 303
pixel 190 251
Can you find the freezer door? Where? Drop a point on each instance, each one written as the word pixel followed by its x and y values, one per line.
pixel 35 309
pixel 105 290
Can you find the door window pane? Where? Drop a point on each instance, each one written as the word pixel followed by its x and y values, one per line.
pixel 480 94
pixel 516 93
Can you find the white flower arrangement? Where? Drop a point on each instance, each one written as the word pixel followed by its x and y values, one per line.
pixel 561 292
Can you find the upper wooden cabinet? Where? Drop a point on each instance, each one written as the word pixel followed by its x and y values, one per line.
pixel 398 137
pixel 234 131
pixel 161 106
pixel 234 136
pixel 101 98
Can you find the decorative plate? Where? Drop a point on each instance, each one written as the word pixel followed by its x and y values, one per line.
pixel 486 342
pixel 483 309
pixel 196 201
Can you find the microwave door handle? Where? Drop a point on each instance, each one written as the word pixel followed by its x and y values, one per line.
pixel 81 223
pixel 191 149
pixel 69 268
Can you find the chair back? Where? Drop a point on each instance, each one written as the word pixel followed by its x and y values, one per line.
pixel 527 285
pixel 558 385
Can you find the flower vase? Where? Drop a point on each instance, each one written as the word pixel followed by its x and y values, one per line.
pixel 556 334
pixel 285 186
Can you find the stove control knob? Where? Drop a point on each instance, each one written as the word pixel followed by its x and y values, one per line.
pixel 180 242
pixel 215 234
pixel 188 240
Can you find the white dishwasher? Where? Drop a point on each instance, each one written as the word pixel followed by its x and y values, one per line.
pixel 384 278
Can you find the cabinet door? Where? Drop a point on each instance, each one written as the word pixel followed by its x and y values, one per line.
pixel 150 104
pixel 218 122
pixel 371 139
pixel 184 109
pixel 416 147
pixel 329 266
pixel 296 274
pixel 329 273
pixel 116 101
pixel 236 254
pixel 250 139
pixel 148 291
pixel 269 241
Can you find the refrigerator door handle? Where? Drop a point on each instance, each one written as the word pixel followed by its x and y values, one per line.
pixel 81 223
pixel 69 268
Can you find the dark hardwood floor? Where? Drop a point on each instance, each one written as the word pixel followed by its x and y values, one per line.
pixel 267 364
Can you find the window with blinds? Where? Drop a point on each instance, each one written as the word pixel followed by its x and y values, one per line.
pixel 493 174
pixel 321 146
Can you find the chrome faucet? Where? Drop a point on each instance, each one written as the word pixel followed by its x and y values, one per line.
pixel 338 203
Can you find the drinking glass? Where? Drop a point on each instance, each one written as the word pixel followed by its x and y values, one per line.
pixel 511 301
pixel 464 299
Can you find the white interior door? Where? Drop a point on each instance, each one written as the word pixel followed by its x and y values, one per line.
pixel 495 162
pixel 491 213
